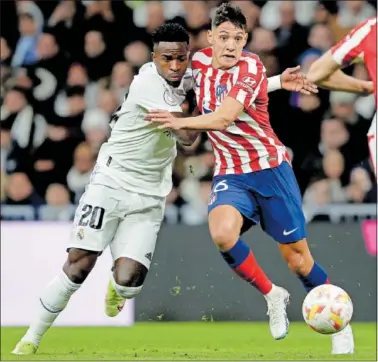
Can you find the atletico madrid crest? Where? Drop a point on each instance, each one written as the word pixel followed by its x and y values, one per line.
pixel 221 92
pixel 212 198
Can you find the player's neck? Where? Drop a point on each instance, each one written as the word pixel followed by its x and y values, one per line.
pixel 216 65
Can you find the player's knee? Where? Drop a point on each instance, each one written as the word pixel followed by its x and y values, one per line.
pixel 79 264
pixel 129 278
pixel 129 273
pixel 224 228
pixel 224 235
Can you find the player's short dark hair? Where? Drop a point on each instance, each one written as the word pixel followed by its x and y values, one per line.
pixel 170 33
pixel 229 12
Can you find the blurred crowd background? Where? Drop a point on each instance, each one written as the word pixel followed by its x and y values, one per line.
pixel 66 65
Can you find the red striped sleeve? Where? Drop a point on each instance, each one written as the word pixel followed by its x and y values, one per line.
pixel 247 85
pixel 352 45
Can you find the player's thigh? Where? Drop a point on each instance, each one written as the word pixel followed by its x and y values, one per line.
pixel 280 202
pixel 96 219
pixel 137 233
pixel 232 207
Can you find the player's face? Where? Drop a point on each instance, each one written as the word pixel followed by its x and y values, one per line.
pixel 227 41
pixel 171 60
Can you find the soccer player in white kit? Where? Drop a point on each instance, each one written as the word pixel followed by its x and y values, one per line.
pixel 123 205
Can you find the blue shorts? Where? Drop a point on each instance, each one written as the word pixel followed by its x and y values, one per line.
pixel 270 197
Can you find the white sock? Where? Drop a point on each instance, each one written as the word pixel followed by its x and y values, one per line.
pixel 53 300
pixel 125 292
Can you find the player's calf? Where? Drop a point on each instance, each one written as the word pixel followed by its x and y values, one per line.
pixel 79 264
pixel 311 274
pixel 56 296
pixel 225 224
pixel 125 283
pixel 301 263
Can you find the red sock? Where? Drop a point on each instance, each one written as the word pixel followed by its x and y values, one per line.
pixel 241 259
pixel 251 272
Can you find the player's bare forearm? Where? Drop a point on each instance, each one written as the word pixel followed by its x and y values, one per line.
pixel 205 122
pixel 186 137
pixel 339 81
pixel 219 120
pixel 322 68
pixel 326 73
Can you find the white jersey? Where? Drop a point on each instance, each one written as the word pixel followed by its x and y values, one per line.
pixel 138 156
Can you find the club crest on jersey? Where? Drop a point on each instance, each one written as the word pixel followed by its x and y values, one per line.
pixel 212 198
pixel 168 98
pixel 220 92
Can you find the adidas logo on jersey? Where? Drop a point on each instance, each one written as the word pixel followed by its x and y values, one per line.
pixel 148 256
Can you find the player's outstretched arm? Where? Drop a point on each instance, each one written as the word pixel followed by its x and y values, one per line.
pixel 241 96
pixel 339 81
pixel 292 80
pixel 222 118
pixel 326 72
pixel 186 138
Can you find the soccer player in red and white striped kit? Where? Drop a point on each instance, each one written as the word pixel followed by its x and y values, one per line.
pixel 359 45
pixel 253 181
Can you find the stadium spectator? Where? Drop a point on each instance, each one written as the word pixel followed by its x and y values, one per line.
pixel 79 174
pixel 291 36
pixel 19 191
pixel 66 66
pixel 96 128
pixel 137 53
pixel 121 78
pixel 25 52
pixel 97 57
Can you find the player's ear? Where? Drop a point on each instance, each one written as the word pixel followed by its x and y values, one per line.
pixel 210 37
pixel 245 39
pixel 153 56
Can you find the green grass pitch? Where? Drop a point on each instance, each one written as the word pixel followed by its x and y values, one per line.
pixel 189 341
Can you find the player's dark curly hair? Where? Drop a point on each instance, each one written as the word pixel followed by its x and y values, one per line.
pixel 171 33
pixel 229 12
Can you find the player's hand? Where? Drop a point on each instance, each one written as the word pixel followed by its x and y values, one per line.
pixel 294 81
pixel 368 87
pixel 164 118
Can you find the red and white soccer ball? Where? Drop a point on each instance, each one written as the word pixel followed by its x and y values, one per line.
pixel 327 309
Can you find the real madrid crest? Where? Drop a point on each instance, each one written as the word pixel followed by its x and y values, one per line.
pixel 168 98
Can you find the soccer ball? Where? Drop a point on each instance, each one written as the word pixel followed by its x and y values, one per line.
pixel 327 309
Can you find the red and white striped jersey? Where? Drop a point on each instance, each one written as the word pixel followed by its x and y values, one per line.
pixel 249 144
pixel 361 43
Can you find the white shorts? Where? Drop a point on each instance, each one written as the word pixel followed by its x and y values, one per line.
pixel 125 221
pixel 372 141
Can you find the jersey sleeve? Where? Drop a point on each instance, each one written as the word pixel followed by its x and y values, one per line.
pixel 188 81
pixel 248 83
pixel 351 47
pixel 150 93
